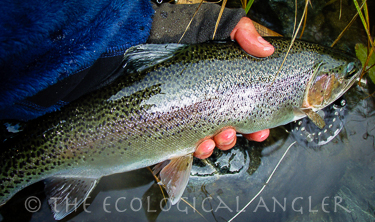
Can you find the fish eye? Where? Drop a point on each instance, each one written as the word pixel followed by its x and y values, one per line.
pixel 350 70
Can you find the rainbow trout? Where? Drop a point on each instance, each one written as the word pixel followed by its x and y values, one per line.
pixel 172 97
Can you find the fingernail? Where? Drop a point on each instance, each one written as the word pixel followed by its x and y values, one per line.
pixel 230 142
pixel 262 137
pixel 262 41
pixel 267 45
pixel 230 135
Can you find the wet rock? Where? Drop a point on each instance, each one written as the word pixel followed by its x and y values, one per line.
pixel 243 157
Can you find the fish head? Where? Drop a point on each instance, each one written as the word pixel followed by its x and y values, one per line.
pixel 332 77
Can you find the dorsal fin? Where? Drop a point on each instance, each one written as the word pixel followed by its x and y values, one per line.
pixel 140 57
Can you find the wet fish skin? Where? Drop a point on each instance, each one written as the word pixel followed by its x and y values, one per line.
pixel 165 111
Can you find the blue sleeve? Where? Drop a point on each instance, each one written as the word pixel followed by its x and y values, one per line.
pixel 45 42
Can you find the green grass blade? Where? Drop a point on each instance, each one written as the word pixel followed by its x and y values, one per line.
pixel 364 22
pixel 248 5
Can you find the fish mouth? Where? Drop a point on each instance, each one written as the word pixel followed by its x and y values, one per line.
pixel 350 84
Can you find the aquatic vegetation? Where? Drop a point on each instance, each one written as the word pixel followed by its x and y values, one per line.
pixel 363 54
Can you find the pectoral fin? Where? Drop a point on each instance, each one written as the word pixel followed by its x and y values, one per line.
pixel 175 176
pixel 67 194
pixel 315 118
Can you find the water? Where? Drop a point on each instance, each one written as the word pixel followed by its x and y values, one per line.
pixel 333 182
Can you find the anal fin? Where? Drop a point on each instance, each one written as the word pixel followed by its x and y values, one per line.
pixel 175 176
pixel 66 194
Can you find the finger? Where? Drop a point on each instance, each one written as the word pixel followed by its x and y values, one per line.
pixel 226 139
pixel 258 136
pixel 250 40
pixel 205 149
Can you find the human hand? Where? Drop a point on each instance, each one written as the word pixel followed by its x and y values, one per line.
pixel 249 39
